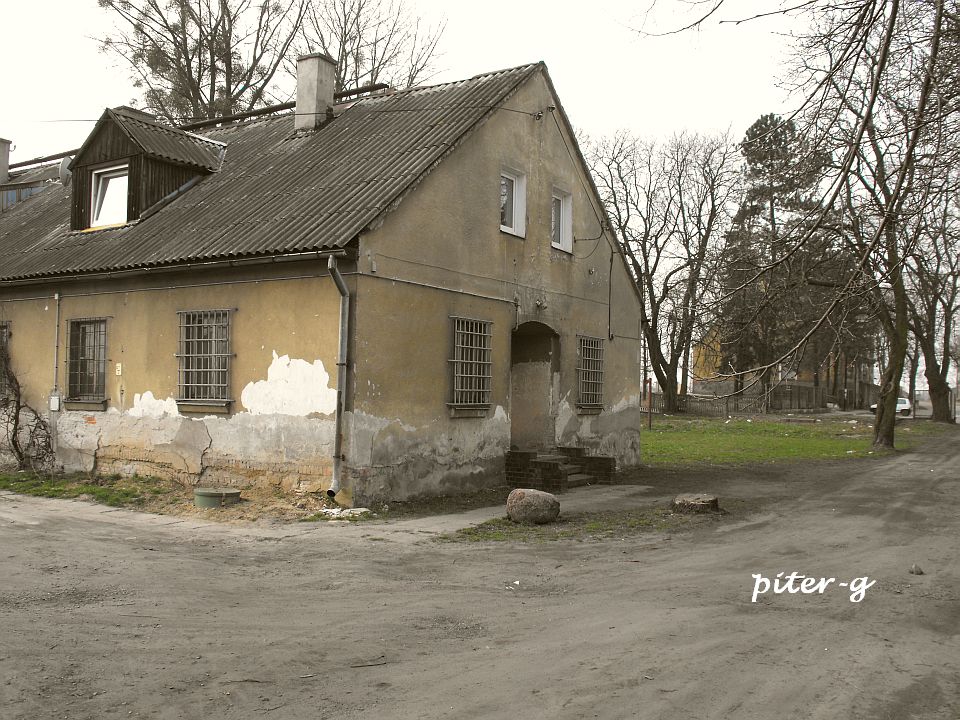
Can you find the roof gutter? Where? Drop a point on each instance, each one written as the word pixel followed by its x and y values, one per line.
pixel 341 374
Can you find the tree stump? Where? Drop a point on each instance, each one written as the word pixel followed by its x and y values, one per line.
pixel 700 503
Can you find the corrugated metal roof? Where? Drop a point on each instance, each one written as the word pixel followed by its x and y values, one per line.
pixel 167 143
pixel 277 192
pixel 40 173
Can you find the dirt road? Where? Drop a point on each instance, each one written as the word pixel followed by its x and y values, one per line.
pixel 112 614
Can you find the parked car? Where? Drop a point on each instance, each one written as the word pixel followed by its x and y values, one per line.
pixel 903 406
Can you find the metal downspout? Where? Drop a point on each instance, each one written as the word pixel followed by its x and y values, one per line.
pixel 53 402
pixel 56 350
pixel 341 373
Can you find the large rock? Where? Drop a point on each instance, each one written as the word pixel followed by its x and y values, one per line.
pixel 700 503
pixel 532 507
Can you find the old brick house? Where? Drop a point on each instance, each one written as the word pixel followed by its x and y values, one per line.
pixel 385 293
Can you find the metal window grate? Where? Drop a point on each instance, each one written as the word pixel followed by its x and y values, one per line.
pixel 86 359
pixel 472 366
pixel 590 371
pixel 203 355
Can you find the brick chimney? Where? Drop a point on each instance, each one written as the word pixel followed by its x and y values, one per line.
pixel 4 160
pixel 316 78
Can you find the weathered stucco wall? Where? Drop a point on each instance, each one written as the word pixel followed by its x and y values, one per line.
pixel 433 259
pixel 439 253
pixel 400 440
pixel 284 332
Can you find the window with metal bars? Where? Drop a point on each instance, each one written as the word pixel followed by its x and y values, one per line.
pixel 4 345
pixel 203 356
pixel 471 364
pixel 86 359
pixel 589 372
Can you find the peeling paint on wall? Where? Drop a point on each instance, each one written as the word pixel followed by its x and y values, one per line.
pixel 566 418
pixel 285 451
pixel 614 432
pixel 389 459
pixel 146 405
pixel 282 440
pixel 292 387
pixel 629 401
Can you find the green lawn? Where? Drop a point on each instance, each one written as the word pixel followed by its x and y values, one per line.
pixel 675 441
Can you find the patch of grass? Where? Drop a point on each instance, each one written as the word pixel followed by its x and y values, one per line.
pixel 585 526
pixel 911 434
pixel 112 490
pixel 680 442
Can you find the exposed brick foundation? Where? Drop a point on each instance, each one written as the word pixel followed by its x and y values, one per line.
pixel 528 469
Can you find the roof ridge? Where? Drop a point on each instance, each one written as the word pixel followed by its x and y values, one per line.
pixel 169 128
pixel 417 88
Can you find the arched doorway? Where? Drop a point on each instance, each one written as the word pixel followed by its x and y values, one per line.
pixel 534 361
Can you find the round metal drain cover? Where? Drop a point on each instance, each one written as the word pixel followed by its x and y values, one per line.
pixel 215 497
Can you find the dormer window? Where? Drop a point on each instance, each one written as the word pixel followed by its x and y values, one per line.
pixel 131 166
pixel 108 196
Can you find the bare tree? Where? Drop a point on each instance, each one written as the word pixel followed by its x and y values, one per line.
pixel 670 207
pixel 886 123
pixel 933 276
pixel 372 41
pixel 22 428
pixel 870 74
pixel 198 59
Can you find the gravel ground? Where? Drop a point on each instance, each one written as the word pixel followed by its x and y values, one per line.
pixel 116 614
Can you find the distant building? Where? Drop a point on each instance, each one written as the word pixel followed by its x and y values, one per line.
pixel 17 185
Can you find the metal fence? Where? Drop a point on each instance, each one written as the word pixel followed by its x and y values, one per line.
pixel 783 398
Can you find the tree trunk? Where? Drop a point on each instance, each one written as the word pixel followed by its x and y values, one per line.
pixel 670 399
pixel 896 331
pixel 939 388
pixel 883 428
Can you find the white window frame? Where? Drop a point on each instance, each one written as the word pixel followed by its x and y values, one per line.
pixel 566 220
pixel 97 187
pixel 519 220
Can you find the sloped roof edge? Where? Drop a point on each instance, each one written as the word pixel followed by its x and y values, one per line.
pixel 403 192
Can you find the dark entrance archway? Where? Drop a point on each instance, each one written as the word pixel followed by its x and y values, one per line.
pixel 534 362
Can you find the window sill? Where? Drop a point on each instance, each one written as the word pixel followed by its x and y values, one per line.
pixel 589 409
pixel 510 231
pixel 89 405
pixel 103 228
pixel 205 407
pixel 561 249
pixel 469 411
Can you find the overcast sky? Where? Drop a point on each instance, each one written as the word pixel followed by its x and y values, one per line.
pixel 608 75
